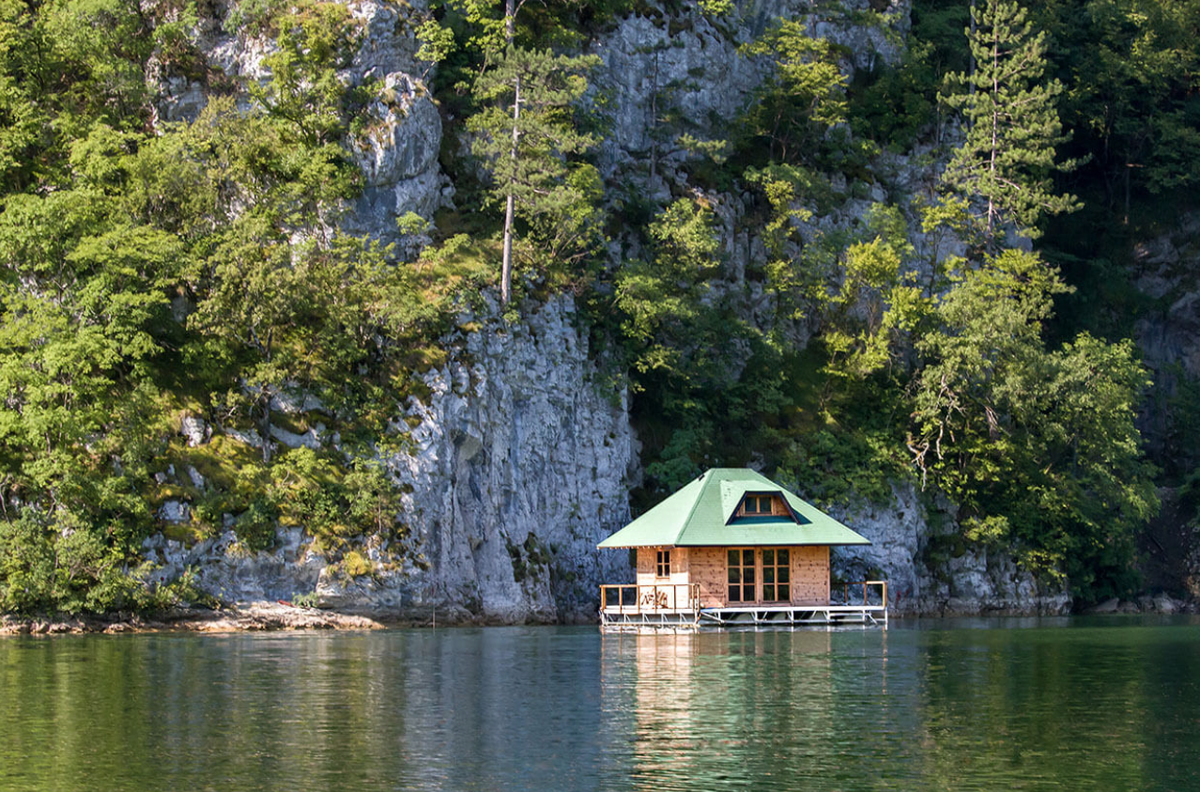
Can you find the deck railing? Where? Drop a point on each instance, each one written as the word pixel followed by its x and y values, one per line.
pixel 654 598
pixel 869 588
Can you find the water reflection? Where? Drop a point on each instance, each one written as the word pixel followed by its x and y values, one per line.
pixel 1069 705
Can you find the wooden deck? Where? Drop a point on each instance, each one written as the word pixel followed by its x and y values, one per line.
pixel 678 606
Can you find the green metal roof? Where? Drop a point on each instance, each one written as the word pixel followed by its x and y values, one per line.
pixel 701 515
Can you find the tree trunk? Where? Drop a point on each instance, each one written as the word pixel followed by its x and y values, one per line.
pixel 1128 167
pixel 971 65
pixel 510 11
pixel 506 266
pixel 991 207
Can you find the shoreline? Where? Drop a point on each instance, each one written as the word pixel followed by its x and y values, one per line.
pixel 284 616
pixel 253 617
pixel 264 616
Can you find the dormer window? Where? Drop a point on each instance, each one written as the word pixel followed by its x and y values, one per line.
pixel 758 504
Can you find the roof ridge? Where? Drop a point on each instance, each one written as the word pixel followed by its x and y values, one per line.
pixel 695 503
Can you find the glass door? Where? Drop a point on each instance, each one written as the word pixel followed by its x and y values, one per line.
pixel 776 575
pixel 741 576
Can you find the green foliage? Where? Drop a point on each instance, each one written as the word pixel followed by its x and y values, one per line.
pixel 893 104
pixel 103 224
pixel 1132 97
pixel 304 92
pixel 805 95
pixel 533 154
pixel 869 319
pixel 59 566
pixel 836 466
pixel 1038 446
pixel 1004 165
pixel 660 298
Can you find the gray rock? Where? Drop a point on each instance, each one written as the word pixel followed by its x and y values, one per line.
pixel 194 429
pixel 1165 604
pixel 250 438
pixel 517 457
pixel 310 439
pixel 977 581
pixel 292 401
pixel 174 511
pixel 197 480
pixel 1110 605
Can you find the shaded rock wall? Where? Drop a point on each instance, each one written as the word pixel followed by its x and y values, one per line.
pixel 972 581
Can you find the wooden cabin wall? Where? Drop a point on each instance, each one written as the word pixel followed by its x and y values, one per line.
pixel 706 566
pixel 708 569
pixel 810 575
pixel 647 574
pixel 809 567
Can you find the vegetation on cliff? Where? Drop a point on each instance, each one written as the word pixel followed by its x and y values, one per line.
pixel 152 271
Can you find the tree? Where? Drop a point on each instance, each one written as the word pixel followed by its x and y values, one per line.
pixel 662 298
pixel 526 136
pixel 1005 164
pixel 1134 73
pixel 1038 447
pixel 522 101
pixel 805 95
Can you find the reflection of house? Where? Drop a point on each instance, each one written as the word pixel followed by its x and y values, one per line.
pixel 723 709
pixel 733 546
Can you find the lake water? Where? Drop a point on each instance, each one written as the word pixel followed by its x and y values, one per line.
pixel 1075 704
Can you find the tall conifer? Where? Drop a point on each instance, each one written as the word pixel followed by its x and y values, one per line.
pixel 1006 162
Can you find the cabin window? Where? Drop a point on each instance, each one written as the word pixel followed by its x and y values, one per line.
pixel 663 567
pixel 776 575
pixel 741 575
pixel 758 504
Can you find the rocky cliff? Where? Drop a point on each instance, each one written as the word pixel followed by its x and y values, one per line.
pixel 519 459
pixel 518 464
pixel 928 573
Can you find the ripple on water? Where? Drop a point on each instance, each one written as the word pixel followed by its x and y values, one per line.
pixel 1053 704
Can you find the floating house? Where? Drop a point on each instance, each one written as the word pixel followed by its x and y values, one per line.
pixel 734 547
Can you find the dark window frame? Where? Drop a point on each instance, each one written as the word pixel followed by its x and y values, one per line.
pixel 745 570
pixel 776 574
pixel 662 564
pixel 758 502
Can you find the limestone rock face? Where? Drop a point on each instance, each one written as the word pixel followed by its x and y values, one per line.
pixel 224 569
pixel 972 581
pixel 521 464
pixel 687 65
pixel 398 151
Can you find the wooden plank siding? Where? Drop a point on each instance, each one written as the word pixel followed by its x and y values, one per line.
pixel 810 575
pixel 707 567
pixel 647 574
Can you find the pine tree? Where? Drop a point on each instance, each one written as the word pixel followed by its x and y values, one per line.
pixel 1005 165
pixel 526 136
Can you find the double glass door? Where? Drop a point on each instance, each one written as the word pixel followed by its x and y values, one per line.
pixel 746 567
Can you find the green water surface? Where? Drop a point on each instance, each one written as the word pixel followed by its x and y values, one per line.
pixel 1073 704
